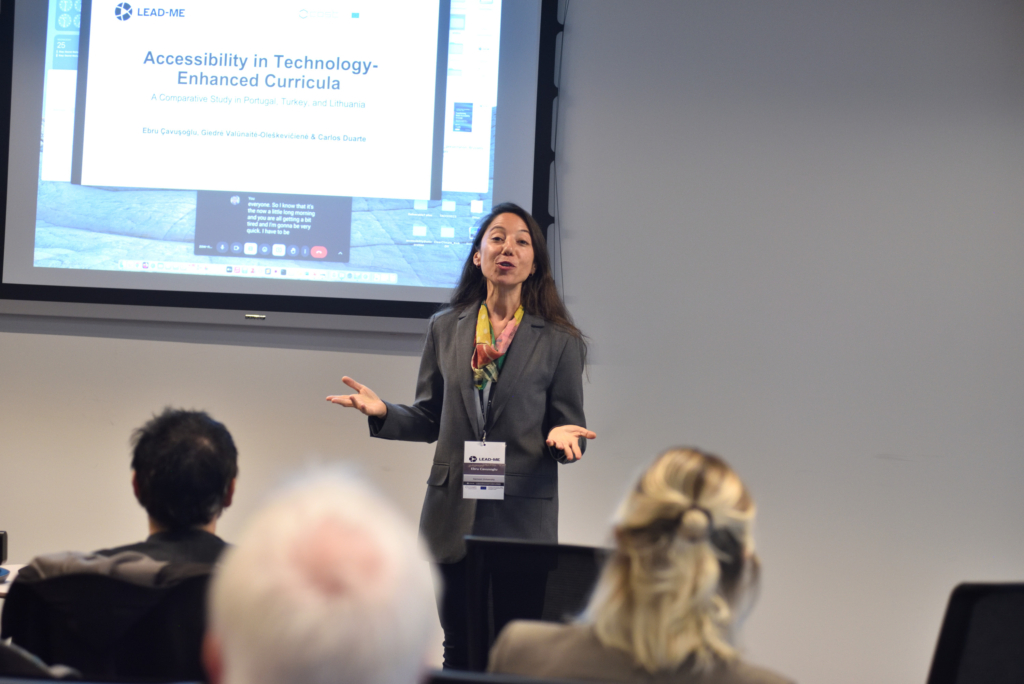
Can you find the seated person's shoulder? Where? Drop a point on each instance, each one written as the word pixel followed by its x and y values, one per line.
pixel 130 565
pixel 744 673
pixel 139 547
pixel 188 546
pixel 528 633
pixel 532 637
pixel 545 649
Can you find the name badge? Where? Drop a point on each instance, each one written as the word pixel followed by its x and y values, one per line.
pixel 483 471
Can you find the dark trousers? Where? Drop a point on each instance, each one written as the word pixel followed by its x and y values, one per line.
pixel 512 595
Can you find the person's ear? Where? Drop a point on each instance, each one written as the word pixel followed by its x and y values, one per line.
pixel 476 258
pixel 213 659
pixel 230 494
pixel 135 487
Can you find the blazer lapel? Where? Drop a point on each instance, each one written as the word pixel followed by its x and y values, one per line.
pixel 518 360
pixel 465 345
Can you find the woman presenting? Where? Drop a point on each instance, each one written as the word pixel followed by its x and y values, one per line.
pixel 502 366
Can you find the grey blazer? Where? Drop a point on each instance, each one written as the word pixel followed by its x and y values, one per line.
pixel 553 651
pixel 540 387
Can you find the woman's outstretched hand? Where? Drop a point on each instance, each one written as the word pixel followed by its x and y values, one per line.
pixel 365 399
pixel 566 439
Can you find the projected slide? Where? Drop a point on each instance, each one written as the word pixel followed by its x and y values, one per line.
pixel 204 96
pixel 329 141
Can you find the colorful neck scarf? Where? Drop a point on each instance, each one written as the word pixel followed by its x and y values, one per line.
pixel 489 356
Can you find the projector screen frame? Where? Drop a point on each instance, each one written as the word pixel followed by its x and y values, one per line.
pixel 244 309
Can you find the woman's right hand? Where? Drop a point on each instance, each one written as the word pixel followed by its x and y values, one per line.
pixel 365 399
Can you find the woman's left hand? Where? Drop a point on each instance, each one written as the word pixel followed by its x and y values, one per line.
pixel 566 438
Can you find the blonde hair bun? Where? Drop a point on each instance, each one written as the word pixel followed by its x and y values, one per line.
pixel 695 525
pixel 683 537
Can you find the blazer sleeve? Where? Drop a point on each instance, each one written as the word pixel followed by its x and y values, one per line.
pixel 420 422
pixel 565 400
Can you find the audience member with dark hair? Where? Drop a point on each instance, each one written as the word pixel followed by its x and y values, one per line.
pixel 672 596
pixel 183 472
pixel 184 466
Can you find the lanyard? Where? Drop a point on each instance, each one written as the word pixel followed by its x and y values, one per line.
pixel 484 399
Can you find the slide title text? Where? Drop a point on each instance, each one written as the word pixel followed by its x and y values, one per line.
pixel 230 60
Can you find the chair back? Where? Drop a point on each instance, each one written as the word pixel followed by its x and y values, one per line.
pixel 464 677
pixel 17 662
pixel 982 637
pixel 110 629
pixel 511 579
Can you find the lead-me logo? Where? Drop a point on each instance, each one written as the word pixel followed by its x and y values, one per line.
pixel 123 12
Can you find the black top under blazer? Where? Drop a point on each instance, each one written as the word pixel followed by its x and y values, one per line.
pixel 540 387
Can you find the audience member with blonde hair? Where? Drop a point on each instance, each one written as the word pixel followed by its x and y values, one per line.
pixel 327 585
pixel 669 601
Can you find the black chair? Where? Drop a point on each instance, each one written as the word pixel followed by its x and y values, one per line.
pixel 110 629
pixel 463 677
pixel 32 680
pixel 17 662
pixel 510 579
pixel 982 637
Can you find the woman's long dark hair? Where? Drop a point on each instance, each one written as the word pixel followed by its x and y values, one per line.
pixel 539 297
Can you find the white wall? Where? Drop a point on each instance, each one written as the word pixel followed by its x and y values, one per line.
pixel 793 233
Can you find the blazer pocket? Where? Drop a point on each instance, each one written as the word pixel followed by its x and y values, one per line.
pixel 438 474
pixel 529 486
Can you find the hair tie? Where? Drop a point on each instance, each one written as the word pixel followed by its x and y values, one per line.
pixel 695 524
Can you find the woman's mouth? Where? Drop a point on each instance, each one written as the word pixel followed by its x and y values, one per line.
pixel 507 265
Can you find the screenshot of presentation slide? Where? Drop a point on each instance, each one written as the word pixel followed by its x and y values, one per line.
pixel 333 140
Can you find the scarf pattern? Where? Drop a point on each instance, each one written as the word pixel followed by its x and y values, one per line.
pixel 490 353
